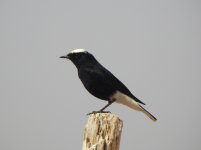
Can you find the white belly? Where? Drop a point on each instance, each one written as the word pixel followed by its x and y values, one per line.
pixel 126 100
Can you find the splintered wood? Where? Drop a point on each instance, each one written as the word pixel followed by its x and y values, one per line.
pixel 102 132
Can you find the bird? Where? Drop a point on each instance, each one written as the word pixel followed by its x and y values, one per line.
pixel 102 84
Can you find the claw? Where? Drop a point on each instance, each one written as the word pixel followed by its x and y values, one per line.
pixel 95 112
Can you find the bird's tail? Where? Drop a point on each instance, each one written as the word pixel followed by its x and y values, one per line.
pixel 148 114
pixel 128 101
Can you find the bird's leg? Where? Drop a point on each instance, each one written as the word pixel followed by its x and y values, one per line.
pixel 109 103
pixel 102 109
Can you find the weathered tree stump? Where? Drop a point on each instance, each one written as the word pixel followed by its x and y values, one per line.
pixel 102 132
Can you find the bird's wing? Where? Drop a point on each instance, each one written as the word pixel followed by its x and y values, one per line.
pixel 96 82
pixel 115 82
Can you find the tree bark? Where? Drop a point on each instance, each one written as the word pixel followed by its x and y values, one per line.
pixel 102 132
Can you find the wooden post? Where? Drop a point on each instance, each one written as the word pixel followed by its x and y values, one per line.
pixel 102 132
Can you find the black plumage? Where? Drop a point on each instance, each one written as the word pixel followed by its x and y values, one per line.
pixel 101 83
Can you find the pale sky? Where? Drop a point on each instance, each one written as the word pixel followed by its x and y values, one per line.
pixel 153 47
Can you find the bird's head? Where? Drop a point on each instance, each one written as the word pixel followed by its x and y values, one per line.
pixel 79 57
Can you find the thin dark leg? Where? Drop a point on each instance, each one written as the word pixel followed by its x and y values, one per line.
pixel 102 109
pixel 109 103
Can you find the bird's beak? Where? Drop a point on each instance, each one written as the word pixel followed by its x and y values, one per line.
pixel 64 57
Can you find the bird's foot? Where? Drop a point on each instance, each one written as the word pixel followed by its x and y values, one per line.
pixel 95 112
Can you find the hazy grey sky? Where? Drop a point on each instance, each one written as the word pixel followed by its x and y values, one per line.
pixel 153 46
